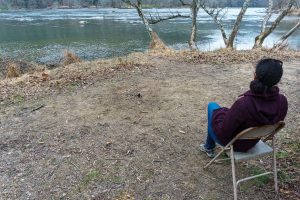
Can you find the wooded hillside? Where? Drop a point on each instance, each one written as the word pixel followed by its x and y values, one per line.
pixel 36 4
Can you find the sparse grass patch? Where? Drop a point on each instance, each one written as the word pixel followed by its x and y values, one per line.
pixel 284 176
pixel 116 179
pixel 72 86
pixel 259 181
pixel 17 99
pixel 282 154
pixel 293 145
pixel 91 176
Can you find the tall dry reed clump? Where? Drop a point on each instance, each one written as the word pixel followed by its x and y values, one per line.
pixel 156 43
pixel 70 58
pixel 12 70
pixel 158 47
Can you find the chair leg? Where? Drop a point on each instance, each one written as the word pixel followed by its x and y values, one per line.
pixel 275 167
pixel 233 173
pixel 214 159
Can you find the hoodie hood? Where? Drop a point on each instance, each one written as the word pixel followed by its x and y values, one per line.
pixel 270 95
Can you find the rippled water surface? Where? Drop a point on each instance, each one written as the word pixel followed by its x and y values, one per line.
pixel 42 35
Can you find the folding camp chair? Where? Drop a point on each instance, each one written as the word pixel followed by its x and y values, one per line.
pixel 264 133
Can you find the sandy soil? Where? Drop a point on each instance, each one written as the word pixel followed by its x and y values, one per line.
pixel 133 135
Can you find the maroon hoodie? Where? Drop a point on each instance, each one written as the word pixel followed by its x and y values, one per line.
pixel 250 110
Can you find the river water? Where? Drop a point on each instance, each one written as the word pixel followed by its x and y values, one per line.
pixel 43 35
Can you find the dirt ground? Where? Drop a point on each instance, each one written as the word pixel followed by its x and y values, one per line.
pixel 132 135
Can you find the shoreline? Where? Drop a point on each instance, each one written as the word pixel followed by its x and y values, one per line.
pixel 226 57
pixel 75 71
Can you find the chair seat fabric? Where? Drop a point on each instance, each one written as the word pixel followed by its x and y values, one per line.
pixel 259 150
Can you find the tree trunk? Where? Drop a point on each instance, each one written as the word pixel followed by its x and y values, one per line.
pixel 259 40
pixel 145 21
pixel 267 16
pixel 138 7
pixel 216 20
pixel 194 7
pixel 193 38
pixel 282 41
pixel 237 25
pixel 156 43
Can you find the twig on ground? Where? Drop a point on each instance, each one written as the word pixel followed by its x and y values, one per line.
pixel 158 161
pixel 37 108
pixel 115 159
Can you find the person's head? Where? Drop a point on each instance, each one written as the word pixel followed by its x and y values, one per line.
pixel 268 73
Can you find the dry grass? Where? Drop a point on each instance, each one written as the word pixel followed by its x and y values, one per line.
pixel 12 70
pixel 81 73
pixel 157 44
pixel 132 61
pixel 70 58
pixel 227 57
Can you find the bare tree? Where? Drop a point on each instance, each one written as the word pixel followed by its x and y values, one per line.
pixel 266 31
pixel 282 42
pixel 137 4
pixel 215 13
pixel 194 7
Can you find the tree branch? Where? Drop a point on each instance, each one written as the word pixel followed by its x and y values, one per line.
pixel 279 18
pixel 281 42
pixel 128 2
pixel 214 13
pixel 158 19
pixel 184 3
pixel 267 16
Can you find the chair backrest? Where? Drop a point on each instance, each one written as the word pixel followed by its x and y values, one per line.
pixel 261 131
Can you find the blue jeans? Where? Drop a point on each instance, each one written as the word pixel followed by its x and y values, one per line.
pixel 211 139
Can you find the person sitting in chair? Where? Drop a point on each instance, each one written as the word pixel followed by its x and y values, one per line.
pixel 261 105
